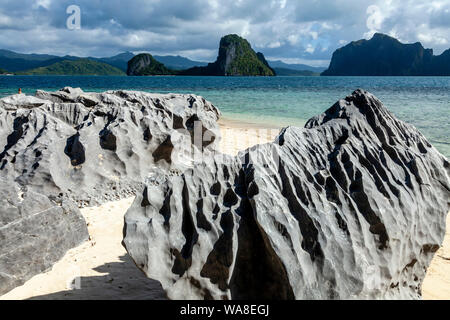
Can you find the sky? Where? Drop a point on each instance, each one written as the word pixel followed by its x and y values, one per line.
pixel 294 31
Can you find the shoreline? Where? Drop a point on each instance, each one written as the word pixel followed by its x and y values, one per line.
pixel 239 135
pixel 101 269
pixel 265 122
pixel 227 121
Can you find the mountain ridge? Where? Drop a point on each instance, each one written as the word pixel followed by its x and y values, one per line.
pixel 179 62
pixel 75 67
pixel 383 55
pixel 13 62
pixel 300 67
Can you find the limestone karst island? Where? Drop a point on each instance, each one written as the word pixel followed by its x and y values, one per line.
pixel 248 153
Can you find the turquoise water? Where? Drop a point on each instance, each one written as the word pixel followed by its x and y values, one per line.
pixel 282 101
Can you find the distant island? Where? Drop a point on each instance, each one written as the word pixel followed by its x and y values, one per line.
pixel 76 67
pixel 383 55
pixel 236 57
pixel 145 65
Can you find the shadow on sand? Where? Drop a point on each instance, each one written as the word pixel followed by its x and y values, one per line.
pixel 123 281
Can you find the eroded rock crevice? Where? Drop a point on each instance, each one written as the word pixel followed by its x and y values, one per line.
pixel 335 210
pixel 68 149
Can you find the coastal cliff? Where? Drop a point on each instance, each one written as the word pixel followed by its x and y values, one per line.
pixel 383 55
pixel 236 58
pixel 145 65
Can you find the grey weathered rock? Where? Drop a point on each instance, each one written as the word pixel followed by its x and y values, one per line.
pixel 95 147
pixel 20 101
pixel 87 147
pixel 34 233
pixel 352 206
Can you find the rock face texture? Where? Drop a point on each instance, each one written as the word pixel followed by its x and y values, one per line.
pixel 97 147
pixel 34 234
pixel 236 58
pixel 60 150
pixel 352 206
pixel 145 65
pixel 386 56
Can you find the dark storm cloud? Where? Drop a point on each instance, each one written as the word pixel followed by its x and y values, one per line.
pixel 133 15
pixel 297 31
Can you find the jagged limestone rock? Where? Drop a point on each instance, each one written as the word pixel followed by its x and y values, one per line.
pixel 352 206
pixel 34 233
pixel 383 55
pixel 95 147
pixel 64 146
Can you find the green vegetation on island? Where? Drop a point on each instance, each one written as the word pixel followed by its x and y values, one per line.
pixel 236 58
pixel 76 67
pixel 380 56
pixel 119 61
pixel 145 65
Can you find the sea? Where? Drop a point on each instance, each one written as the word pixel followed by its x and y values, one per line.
pixel 278 101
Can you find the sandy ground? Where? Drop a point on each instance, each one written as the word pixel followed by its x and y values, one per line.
pixel 238 136
pixel 437 282
pixel 101 268
pixel 97 269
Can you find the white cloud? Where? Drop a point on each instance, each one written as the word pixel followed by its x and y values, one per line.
pixel 43 3
pixel 309 48
pixel 431 38
pixel 375 18
pixel 293 39
pixel 5 21
pixel 275 44
pixel 301 30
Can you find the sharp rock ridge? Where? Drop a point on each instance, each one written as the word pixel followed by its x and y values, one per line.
pixel 352 206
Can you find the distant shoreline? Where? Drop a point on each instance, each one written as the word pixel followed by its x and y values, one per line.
pixel 198 76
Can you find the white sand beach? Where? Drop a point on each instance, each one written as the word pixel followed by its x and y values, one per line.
pixel 97 269
pixel 101 268
pixel 437 282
